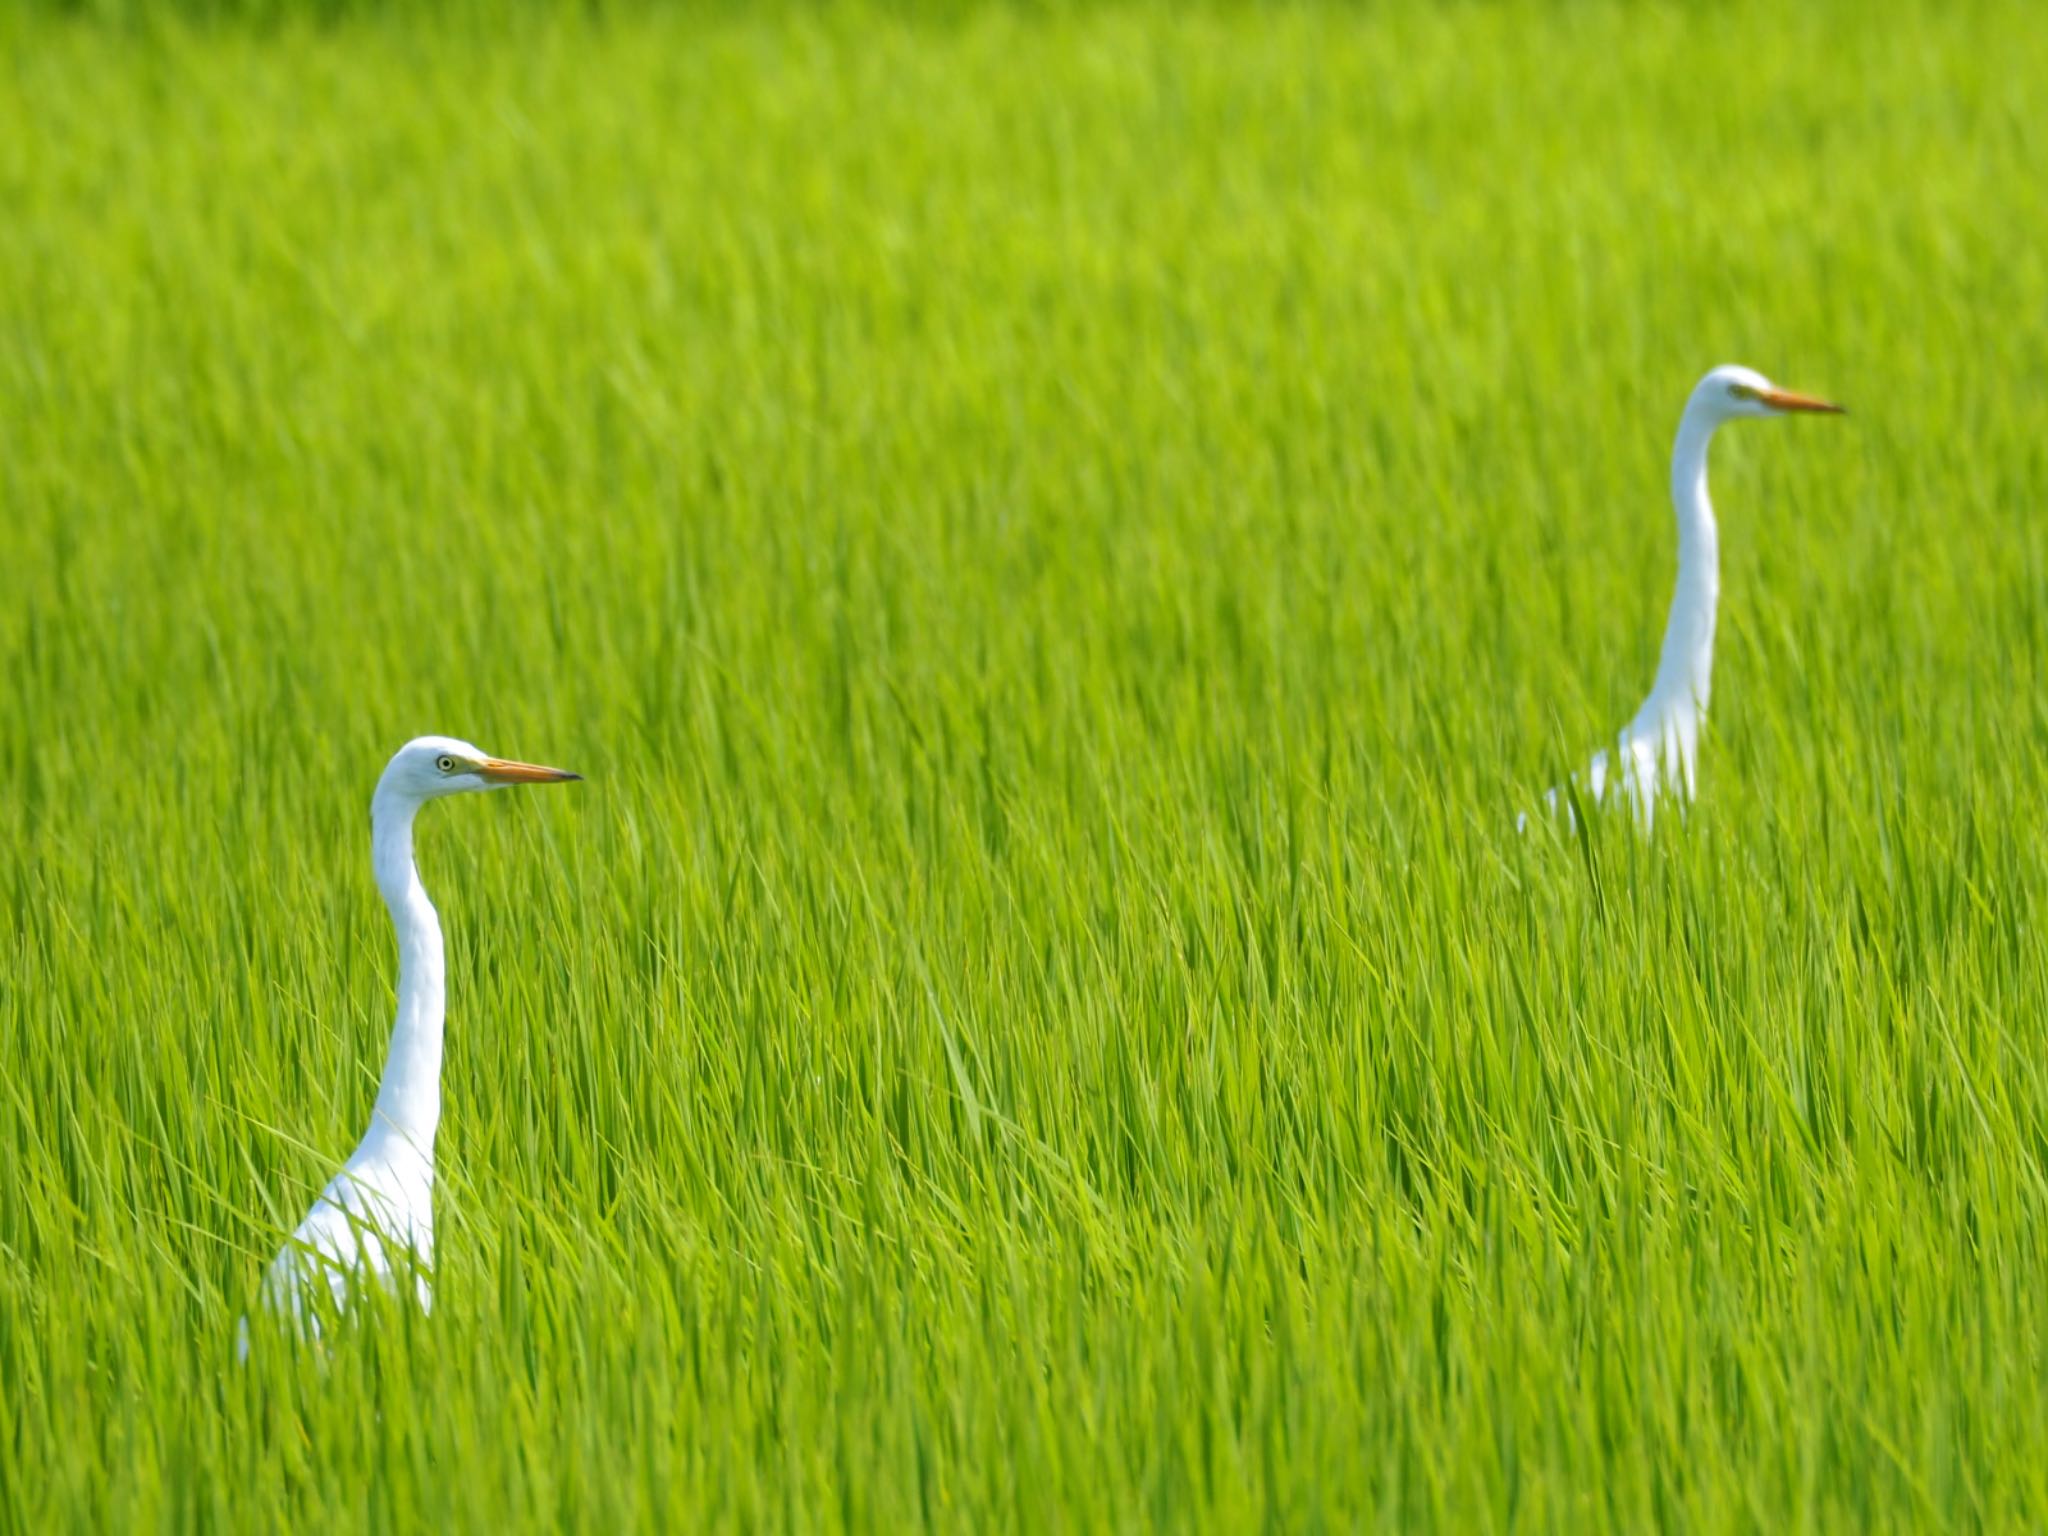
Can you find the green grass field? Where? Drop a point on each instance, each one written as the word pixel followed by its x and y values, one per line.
pixel 1062 541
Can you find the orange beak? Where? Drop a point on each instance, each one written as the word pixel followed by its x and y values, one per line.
pixel 1786 400
pixel 499 771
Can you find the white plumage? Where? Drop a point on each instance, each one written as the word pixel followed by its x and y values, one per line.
pixel 375 1219
pixel 1657 752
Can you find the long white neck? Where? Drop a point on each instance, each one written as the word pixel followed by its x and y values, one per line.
pixel 408 1108
pixel 1685 667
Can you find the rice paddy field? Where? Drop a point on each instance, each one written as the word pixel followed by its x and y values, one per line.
pixel 1062 540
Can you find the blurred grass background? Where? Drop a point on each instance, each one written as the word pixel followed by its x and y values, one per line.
pixel 1062 538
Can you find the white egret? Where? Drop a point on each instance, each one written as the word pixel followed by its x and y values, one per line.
pixel 375 1218
pixel 1657 750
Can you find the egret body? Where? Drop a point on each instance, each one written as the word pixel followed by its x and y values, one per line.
pixel 376 1216
pixel 1657 751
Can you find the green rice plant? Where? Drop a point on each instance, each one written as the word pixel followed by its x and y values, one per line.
pixel 1062 539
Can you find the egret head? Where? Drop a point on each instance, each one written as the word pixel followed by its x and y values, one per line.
pixel 1729 392
pixel 432 766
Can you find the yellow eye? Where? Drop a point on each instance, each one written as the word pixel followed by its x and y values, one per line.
pixel 445 763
